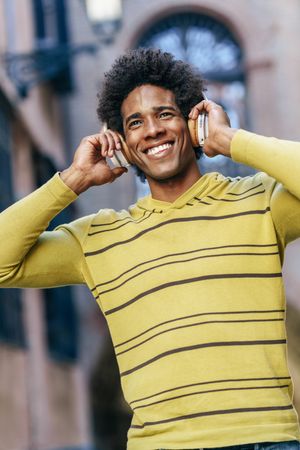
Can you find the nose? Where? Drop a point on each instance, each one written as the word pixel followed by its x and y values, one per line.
pixel 153 128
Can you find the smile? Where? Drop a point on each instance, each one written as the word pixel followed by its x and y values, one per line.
pixel 159 149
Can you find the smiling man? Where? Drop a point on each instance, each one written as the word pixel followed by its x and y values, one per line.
pixel 159 141
pixel 189 278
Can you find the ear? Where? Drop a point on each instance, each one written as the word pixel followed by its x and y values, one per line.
pixel 193 129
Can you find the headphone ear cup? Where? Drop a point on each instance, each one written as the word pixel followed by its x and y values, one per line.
pixel 193 129
pixel 125 149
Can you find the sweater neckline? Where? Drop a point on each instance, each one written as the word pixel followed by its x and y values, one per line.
pixel 198 188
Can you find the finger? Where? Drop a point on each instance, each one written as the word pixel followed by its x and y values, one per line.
pixel 195 111
pixel 116 141
pixel 118 171
pixel 93 139
pixel 111 144
pixel 204 106
pixel 104 144
pixel 91 143
pixel 116 138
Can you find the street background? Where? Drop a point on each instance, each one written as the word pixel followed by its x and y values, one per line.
pixel 59 385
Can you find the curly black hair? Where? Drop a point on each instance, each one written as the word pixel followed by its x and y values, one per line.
pixel 148 66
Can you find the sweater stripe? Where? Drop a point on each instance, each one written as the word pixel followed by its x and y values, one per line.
pixel 177 220
pixel 194 325
pixel 235 199
pixel 184 261
pixel 171 255
pixel 213 413
pixel 229 380
pixel 104 224
pixel 220 276
pixel 244 192
pixel 200 346
pixel 199 200
pixel 122 225
pixel 247 388
pixel 267 311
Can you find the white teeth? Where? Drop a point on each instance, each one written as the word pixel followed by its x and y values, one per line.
pixel 159 148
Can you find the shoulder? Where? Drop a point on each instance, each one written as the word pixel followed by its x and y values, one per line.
pixel 107 216
pixel 81 226
pixel 238 185
pixel 258 185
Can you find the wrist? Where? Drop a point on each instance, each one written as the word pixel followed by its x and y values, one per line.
pixel 223 140
pixel 75 179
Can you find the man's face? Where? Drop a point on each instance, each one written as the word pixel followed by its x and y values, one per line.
pixel 157 134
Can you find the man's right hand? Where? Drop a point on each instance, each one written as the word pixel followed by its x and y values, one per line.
pixel 89 167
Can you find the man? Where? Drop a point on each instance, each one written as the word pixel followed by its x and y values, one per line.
pixel 189 279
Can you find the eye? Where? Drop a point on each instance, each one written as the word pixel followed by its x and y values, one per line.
pixel 165 114
pixel 134 123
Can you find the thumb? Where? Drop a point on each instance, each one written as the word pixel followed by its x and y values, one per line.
pixel 118 171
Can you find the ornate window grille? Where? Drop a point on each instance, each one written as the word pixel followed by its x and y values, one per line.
pixel 199 40
pixel 50 60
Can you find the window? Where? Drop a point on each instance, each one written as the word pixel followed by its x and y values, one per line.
pixel 200 40
pixel 51 32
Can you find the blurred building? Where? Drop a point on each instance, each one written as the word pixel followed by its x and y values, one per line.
pixel 43 396
pixel 56 361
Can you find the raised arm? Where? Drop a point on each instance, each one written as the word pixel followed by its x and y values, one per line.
pixel 278 158
pixel 29 257
pixel 33 257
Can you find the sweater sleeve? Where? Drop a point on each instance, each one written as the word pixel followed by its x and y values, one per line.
pixel 31 256
pixel 280 160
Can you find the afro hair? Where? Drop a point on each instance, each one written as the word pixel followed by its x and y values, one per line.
pixel 147 66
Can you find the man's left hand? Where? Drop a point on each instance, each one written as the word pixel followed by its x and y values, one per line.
pixel 219 132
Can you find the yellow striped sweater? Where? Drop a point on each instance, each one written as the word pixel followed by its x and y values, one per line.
pixel 192 292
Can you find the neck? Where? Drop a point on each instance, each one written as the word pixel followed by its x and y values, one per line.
pixel 170 189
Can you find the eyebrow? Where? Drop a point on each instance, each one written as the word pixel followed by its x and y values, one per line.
pixel 137 115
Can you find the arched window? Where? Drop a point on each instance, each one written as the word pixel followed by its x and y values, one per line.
pixel 210 46
pixel 199 40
